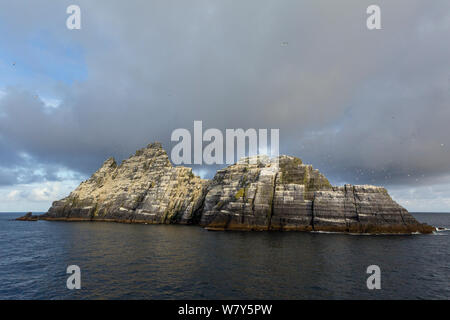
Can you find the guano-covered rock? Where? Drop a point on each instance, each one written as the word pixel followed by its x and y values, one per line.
pixel 256 193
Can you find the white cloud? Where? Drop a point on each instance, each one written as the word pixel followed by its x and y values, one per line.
pixel 44 193
pixel 202 173
pixel 13 195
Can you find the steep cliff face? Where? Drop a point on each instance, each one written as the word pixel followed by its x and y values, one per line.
pixel 256 193
pixel 144 188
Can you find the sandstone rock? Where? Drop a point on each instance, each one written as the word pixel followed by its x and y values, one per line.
pixel 144 188
pixel 256 193
pixel 28 217
pixel 263 194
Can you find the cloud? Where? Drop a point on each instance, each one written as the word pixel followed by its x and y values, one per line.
pixel 362 106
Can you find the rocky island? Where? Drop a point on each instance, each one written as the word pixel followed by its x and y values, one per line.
pixel 256 193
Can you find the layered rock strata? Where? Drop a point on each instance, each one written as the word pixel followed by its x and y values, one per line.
pixel 256 193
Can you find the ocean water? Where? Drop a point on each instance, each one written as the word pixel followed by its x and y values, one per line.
pixel 123 261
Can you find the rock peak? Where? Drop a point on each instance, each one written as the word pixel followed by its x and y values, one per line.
pixel 153 152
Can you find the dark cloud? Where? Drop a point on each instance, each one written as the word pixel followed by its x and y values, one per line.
pixel 363 106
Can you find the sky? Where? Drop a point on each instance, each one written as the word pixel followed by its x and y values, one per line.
pixel 362 106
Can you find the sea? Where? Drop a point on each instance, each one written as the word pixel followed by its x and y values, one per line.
pixel 132 261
